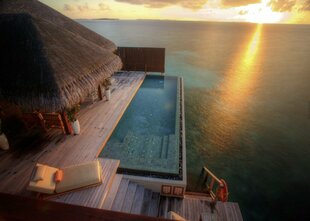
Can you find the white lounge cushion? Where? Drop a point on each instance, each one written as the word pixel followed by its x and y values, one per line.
pixel 47 185
pixel 79 176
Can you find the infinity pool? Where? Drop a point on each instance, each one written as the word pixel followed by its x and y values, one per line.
pixel 146 138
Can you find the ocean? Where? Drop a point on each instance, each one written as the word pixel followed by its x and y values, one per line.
pixel 247 105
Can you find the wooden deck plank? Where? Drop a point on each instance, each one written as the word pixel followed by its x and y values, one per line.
pixel 238 212
pixel 146 202
pixel 153 211
pixel 112 192
pixel 163 208
pixel 129 198
pixel 97 122
pixel 194 209
pixel 119 199
pixel 138 200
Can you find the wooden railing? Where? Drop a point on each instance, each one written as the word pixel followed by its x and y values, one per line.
pixel 215 187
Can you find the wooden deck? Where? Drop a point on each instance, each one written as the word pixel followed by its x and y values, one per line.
pixel 196 208
pixel 115 193
pixel 129 197
pixel 97 123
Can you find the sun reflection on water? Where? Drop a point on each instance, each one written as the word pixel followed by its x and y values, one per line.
pixel 227 113
pixel 241 74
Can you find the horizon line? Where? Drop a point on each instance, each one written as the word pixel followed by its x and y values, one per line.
pixel 178 20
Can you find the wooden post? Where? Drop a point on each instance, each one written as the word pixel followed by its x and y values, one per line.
pixel 66 123
pixel 99 92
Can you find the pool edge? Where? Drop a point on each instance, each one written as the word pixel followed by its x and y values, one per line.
pixel 118 119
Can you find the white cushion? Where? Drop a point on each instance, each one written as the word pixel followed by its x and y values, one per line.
pixel 47 185
pixel 79 176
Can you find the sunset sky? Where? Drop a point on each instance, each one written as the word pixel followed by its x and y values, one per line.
pixel 258 11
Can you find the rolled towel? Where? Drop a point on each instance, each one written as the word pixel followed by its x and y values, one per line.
pixel 40 172
pixel 59 176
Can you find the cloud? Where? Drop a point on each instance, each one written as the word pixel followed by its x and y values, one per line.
pixel 235 3
pixel 192 4
pixel 83 8
pixel 68 8
pixel 71 8
pixel 276 5
pixel 289 5
pixel 305 6
pixel 197 4
pixel 282 5
pixel 103 7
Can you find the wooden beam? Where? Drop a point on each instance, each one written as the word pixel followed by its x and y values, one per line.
pixel 21 208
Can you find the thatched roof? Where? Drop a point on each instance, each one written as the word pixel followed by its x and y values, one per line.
pixel 38 10
pixel 44 64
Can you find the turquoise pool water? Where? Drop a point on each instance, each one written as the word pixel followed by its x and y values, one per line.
pixel 147 136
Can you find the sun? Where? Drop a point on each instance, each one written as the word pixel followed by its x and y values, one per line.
pixel 262 13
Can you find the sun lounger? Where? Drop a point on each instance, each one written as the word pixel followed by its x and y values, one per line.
pixel 74 177
pixel 53 120
pixel 34 119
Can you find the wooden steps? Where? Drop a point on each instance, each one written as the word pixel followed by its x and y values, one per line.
pixel 194 208
pixel 130 194
pixel 120 196
pixel 138 200
pixel 108 202
pixel 154 205
pixel 146 202
pixel 131 198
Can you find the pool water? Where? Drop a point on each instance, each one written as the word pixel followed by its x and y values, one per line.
pixel 147 136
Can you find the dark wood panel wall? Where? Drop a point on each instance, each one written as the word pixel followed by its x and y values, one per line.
pixel 142 59
pixel 21 208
